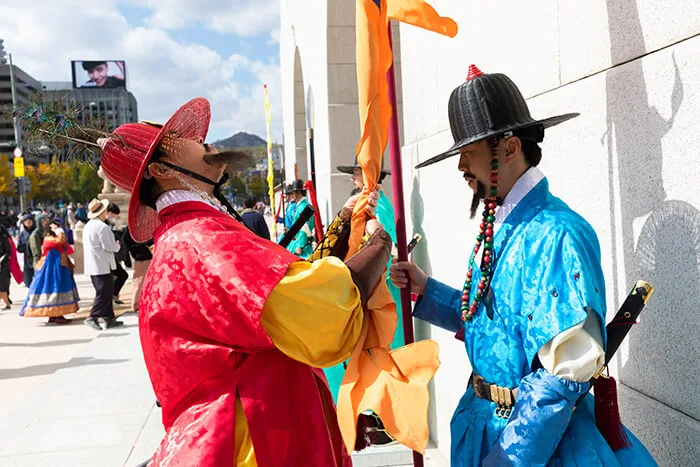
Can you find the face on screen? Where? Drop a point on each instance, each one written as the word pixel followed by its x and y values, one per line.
pixel 99 74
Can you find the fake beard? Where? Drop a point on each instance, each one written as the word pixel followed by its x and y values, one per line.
pixel 235 160
pixel 479 194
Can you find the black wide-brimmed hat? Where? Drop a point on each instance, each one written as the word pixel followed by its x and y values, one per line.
pixel 296 185
pixel 350 169
pixel 488 105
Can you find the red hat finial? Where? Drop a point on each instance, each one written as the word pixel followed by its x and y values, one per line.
pixel 473 72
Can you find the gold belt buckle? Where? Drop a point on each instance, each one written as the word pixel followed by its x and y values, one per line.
pixel 501 396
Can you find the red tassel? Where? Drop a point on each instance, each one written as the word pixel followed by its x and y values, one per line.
pixel 607 413
pixel 318 226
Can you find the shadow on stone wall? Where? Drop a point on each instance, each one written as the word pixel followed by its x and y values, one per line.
pixel 421 258
pixel 667 256
pixel 420 253
pixel 668 250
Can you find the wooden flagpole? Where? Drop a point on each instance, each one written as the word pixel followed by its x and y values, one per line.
pixel 399 210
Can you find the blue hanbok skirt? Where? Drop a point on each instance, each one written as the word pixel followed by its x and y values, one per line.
pixel 53 291
pixel 475 430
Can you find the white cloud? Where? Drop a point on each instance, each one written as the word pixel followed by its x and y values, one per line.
pixel 162 72
pixel 240 17
pixel 274 37
pixel 248 111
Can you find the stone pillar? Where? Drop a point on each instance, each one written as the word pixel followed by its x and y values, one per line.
pixel 78 256
pixel 115 195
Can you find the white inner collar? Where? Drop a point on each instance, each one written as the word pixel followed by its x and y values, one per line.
pixel 522 187
pixel 172 197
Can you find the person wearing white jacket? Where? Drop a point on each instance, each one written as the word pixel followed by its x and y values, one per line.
pixel 99 248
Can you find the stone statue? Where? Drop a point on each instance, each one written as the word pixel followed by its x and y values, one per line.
pixel 107 187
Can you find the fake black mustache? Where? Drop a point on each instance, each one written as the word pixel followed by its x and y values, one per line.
pixel 235 159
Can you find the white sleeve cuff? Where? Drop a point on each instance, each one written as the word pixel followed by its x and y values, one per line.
pixel 575 354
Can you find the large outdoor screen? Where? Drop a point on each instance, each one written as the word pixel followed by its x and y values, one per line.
pixel 99 74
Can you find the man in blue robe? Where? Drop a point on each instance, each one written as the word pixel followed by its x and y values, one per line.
pixel 302 244
pixel 286 217
pixel 289 211
pixel 532 310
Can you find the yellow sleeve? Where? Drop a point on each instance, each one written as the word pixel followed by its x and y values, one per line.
pixel 243 447
pixel 314 314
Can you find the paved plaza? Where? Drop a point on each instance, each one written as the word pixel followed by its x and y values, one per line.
pixel 73 396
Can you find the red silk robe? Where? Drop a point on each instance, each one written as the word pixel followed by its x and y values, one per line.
pixel 204 345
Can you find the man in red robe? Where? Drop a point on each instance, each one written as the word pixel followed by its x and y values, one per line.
pixel 233 328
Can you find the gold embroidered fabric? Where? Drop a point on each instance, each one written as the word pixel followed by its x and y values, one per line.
pixel 335 242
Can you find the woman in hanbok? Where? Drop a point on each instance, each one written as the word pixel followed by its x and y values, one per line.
pixel 53 292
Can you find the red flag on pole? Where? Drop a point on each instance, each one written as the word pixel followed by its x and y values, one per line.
pixel 318 225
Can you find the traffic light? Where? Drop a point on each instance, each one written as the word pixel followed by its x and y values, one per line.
pixel 16 184
pixel 27 185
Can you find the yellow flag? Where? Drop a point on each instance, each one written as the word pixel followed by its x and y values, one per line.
pixel 270 162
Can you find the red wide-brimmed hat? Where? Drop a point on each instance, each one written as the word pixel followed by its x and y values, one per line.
pixel 126 155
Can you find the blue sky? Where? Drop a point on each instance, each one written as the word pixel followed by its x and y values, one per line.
pixel 224 50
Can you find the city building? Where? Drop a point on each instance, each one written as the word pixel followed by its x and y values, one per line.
pixel 114 107
pixel 630 68
pixel 24 86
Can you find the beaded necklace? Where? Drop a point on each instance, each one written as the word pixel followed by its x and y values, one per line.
pixel 189 186
pixel 486 237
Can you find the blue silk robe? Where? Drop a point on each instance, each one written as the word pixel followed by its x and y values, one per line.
pixel 289 215
pixel 547 278
pixel 302 240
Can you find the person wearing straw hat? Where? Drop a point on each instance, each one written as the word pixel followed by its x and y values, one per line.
pixel 233 328
pixel 99 247
pixel 532 309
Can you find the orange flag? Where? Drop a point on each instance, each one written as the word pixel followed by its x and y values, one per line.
pixel 393 384
pixel 374 58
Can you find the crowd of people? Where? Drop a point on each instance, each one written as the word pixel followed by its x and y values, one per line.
pixel 36 248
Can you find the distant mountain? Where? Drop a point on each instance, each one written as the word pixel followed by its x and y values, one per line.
pixel 240 140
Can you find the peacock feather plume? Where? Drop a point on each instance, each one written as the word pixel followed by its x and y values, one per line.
pixel 62 125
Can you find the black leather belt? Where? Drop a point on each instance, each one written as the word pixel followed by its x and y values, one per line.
pixel 502 396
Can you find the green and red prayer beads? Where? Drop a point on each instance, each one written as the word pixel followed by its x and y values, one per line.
pixel 486 237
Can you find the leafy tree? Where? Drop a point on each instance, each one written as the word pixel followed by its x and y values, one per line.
pixel 86 184
pixel 6 178
pixel 67 181
pixel 49 182
pixel 258 187
pixel 236 187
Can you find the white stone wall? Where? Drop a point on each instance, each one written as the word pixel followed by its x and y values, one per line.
pixel 302 42
pixel 317 45
pixel 628 165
